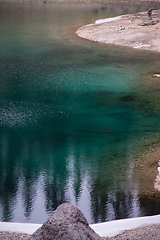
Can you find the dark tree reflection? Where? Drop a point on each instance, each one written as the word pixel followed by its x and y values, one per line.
pixel 23 162
pixel 77 184
pixel 68 113
pixel 55 194
pixel 8 177
pixel 56 175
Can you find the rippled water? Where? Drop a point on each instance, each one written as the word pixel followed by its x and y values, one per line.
pixel 72 114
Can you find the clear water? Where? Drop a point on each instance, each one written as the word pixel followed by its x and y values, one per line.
pixel 72 114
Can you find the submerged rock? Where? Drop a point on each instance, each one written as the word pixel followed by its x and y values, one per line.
pixel 66 223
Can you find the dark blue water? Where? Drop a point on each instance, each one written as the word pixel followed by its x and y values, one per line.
pixel 72 114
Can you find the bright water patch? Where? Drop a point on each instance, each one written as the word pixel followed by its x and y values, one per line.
pixel 71 117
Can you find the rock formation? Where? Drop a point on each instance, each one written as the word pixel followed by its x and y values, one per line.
pixel 66 223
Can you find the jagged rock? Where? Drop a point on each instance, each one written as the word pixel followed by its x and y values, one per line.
pixel 151 22
pixel 66 223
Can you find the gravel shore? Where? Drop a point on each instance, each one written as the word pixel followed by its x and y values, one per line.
pixel 132 30
pixel 144 233
pixel 14 236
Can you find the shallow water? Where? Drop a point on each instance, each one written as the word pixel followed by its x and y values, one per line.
pixel 72 115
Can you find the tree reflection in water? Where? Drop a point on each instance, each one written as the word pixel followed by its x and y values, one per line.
pixel 69 116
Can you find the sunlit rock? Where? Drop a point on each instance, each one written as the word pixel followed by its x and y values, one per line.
pixel 157 183
pixel 156 75
pixel 66 222
pixel 157 180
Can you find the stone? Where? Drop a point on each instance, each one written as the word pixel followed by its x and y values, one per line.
pixel 67 222
pixel 156 75
pixel 157 183
pixel 148 23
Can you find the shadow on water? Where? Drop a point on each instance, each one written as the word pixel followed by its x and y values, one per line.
pixel 72 115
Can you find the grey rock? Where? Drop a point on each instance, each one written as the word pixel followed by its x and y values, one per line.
pixel 67 222
pixel 153 22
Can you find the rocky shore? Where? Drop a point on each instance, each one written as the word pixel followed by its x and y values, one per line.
pixel 146 233
pixel 68 222
pixel 136 31
pixel 132 30
pixel 104 2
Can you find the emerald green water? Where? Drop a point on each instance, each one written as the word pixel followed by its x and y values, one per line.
pixel 72 115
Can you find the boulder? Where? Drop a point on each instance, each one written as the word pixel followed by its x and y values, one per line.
pixel 152 22
pixel 67 222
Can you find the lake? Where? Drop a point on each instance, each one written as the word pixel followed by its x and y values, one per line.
pixel 74 114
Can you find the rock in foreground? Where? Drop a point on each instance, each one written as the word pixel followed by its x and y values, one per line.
pixel 66 223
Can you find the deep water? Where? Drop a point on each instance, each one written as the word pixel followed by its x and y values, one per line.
pixel 72 114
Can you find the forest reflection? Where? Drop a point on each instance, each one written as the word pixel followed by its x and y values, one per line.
pixel 69 116
pixel 75 177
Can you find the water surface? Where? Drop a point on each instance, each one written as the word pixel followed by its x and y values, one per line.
pixel 72 114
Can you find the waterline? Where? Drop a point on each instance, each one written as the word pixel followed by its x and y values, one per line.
pixel 74 116
pixel 107 229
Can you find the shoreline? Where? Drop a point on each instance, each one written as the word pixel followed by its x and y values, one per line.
pixel 138 32
pixel 116 221
pixel 131 30
pixel 116 229
pixel 135 31
pixel 86 2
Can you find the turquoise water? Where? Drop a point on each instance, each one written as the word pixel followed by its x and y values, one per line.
pixel 72 114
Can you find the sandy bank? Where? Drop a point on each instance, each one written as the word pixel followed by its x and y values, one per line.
pixel 133 30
